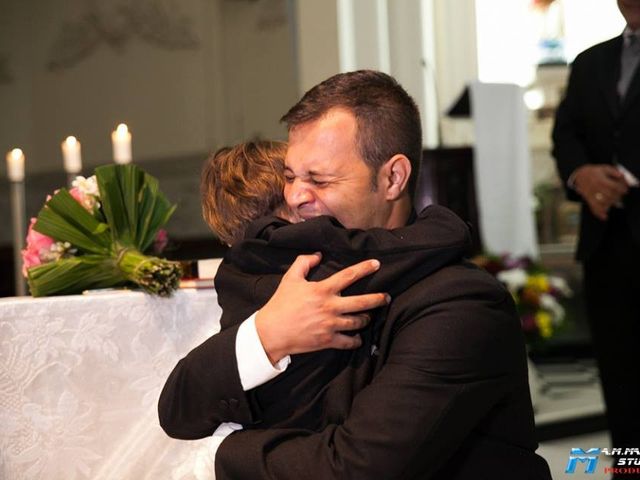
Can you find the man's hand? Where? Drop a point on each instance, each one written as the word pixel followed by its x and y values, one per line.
pixel 304 316
pixel 601 186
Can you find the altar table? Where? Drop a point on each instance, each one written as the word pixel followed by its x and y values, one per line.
pixel 80 378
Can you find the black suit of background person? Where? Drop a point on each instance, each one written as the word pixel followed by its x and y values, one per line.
pixel 598 127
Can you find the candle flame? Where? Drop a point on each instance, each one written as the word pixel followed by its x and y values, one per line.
pixel 71 140
pixel 16 153
pixel 122 129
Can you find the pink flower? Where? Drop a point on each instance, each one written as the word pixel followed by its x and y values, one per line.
pixel 87 201
pixel 161 240
pixel 36 243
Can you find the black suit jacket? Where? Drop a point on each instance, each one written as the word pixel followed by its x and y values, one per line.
pixel 594 126
pixel 248 277
pixel 305 396
pixel 444 395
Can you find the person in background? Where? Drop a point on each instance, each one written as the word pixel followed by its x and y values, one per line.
pixel 596 144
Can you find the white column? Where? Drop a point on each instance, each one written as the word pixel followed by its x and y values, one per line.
pixel 346 35
pixel 412 52
pixel 456 61
pixel 382 30
pixel 363 32
pixel 428 45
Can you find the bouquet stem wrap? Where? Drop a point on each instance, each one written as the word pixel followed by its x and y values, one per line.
pixel 154 275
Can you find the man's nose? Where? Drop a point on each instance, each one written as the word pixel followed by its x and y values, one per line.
pixel 297 193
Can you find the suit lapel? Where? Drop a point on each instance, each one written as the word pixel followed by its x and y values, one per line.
pixel 609 73
pixel 632 92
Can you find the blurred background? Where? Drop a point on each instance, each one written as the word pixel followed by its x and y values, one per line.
pixel 190 76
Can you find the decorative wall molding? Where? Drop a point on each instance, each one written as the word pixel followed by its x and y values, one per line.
pixel 116 23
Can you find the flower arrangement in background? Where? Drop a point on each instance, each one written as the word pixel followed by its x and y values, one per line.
pixel 99 234
pixel 538 295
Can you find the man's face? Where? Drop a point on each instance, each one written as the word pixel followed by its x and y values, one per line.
pixel 325 175
pixel 630 10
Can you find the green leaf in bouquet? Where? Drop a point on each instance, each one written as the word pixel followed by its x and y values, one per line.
pixel 133 205
pixel 155 211
pixel 65 220
pixel 118 186
pixel 74 275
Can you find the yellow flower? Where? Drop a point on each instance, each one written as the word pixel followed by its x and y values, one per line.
pixel 544 323
pixel 538 282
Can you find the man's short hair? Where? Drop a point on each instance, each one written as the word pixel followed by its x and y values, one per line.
pixel 387 117
pixel 240 184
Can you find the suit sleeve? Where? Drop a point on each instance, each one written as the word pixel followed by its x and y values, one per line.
pixel 568 144
pixel 204 390
pixel 443 374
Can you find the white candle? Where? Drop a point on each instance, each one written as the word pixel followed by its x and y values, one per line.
pixel 15 165
pixel 121 140
pixel 71 155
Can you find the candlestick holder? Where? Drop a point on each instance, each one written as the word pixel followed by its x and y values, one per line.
pixel 18 217
pixel 70 178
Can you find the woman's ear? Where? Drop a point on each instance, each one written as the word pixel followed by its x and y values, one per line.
pixel 396 173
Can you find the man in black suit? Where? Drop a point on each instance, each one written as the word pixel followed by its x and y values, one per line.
pixel 448 396
pixel 597 149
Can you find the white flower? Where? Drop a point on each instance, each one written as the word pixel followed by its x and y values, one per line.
pixel 561 285
pixel 548 302
pixel 56 251
pixel 87 186
pixel 514 278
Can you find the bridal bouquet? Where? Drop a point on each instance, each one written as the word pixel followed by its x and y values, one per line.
pixel 538 295
pixel 99 234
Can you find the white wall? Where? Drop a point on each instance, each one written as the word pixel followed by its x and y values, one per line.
pixel 258 68
pixel 316 42
pixel 177 102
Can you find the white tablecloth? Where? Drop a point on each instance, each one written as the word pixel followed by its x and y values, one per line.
pixel 80 378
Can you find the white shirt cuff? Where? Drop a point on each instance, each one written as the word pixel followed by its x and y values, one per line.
pixel 254 365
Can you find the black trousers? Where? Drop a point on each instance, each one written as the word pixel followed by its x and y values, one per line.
pixel 612 288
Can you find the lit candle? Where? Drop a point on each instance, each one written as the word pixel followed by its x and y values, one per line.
pixel 121 140
pixel 15 165
pixel 71 155
pixel 15 172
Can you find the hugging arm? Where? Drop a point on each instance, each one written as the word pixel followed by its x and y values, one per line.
pixel 205 388
pixel 438 382
pixel 305 316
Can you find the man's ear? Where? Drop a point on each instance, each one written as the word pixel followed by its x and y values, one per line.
pixel 395 176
